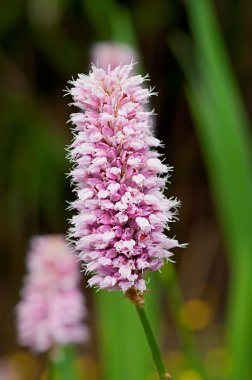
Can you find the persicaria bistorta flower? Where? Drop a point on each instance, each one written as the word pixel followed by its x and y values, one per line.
pixel 52 307
pixel 113 54
pixel 122 212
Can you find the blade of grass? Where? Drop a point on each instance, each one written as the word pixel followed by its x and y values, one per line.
pixel 239 314
pixel 232 134
pixel 226 143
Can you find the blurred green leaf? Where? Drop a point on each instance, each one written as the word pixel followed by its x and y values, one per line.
pixel 99 12
pixel 122 26
pixel 123 347
pixel 34 179
pixel 62 364
pixel 112 21
pixel 223 130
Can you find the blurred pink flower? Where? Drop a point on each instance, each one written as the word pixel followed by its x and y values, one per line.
pixel 52 308
pixel 113 54
pixel 122 211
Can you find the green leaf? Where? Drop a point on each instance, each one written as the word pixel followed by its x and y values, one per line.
pixel 124 350
pixel 62 363
pixel 223 130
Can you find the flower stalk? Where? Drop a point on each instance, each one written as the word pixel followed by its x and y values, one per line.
pixel 138 299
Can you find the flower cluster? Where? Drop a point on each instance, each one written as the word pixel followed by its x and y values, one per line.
pixel 121 210
pixel 52 308
pixel 113 54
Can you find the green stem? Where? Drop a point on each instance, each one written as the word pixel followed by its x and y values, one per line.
pixel 156 355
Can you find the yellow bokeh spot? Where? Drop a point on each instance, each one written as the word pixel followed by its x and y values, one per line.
pixel 190 374
pixel 196 314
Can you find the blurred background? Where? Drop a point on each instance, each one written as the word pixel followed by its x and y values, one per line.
pixel 200 307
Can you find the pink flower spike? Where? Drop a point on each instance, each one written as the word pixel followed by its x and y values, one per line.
pixel 51 309
pixel 122 213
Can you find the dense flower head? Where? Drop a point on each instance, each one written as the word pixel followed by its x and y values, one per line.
pixel 111 53
pixel 52 308
pixel 122 212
